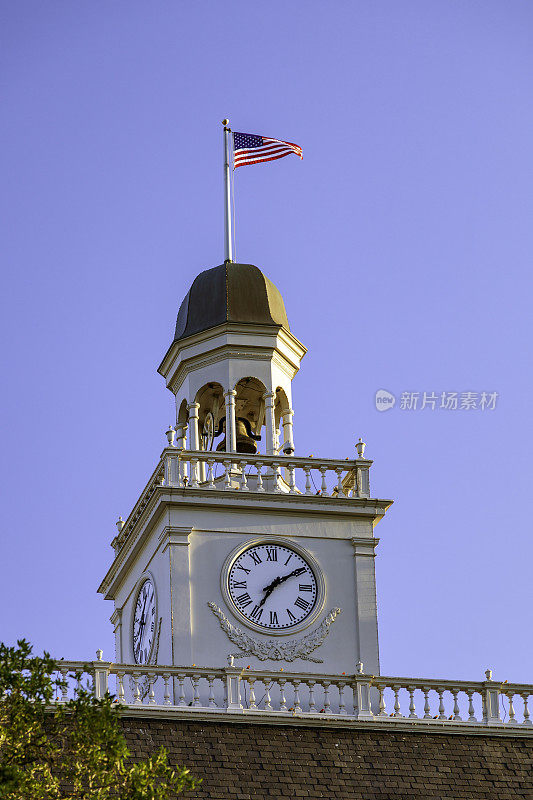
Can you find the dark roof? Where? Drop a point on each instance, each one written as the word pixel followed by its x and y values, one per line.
pixel 230 293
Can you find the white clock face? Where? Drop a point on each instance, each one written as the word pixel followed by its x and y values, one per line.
pixel 272 586
pixel 144 623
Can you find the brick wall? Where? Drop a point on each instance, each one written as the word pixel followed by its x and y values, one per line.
pixel 252 762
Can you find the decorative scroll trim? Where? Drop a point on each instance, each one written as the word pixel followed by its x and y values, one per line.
pixel 272 649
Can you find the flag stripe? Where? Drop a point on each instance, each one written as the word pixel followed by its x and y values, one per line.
pixel 260 160
pixel 251 155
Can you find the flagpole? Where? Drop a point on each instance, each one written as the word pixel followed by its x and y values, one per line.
pixel 228 246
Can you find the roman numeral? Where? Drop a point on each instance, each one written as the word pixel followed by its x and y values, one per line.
pixel 291 616
pixel 244 599
pixel 256 558
pixel 239 585
pixel 244 569
pixel 256 612
pixel 289 558
pixel 301 603
pixel 273 618
pixel 306 587
pixel 272 554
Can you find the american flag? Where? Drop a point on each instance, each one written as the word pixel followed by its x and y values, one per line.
pixel 251 149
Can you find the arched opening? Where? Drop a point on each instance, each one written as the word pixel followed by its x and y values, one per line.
pixel 283 414
pixel 249 414
pixel 211 414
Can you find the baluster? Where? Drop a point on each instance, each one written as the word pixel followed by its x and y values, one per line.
pixel 252 703
pixel 382 711
pixel 268 705
pixel 427 707
pixel 275 474
pixel 297 707
pixel 166 691
pixel 243 484
pixel 227 474
pixel 194 473
pixel 354 494
pixel 442 715
pixel 312 704
pixel 323 486
pixel 210 474
pixel 282 699
pixel 327 704
pixel 259 487
pixel 120 678
pixel 526 721
pixel 292 479
pixel 64 687
pixel 342 704
pixel 211 683
pixel 181 473
pixel 195 680
pixel 136 692
pixel 471 711
pixel 456 714
pixel 225 699
pixel 307 471
pixel 181 684
pixel 512 717
pixel 412 706
pixel 340 490
pixel 151 693
pixel 397 709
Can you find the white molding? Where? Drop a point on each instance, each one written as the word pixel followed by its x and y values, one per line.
pixel 250 717
pixel 364 547
pixel 174 536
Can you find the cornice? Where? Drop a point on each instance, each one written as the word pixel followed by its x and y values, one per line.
pixel 392 724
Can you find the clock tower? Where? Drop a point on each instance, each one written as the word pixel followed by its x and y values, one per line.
pixel 239 548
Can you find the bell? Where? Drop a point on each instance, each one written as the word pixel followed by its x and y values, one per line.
pixel 246 440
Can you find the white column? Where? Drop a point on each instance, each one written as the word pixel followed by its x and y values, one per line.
pixel 288 434
pixel 193 424
pixel 268 397
pixel 181 432
pixel 231 434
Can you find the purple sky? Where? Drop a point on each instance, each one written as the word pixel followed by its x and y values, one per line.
pixel 402 245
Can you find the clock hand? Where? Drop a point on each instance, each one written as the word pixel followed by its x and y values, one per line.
pixel 283 578
pixel 276 582
pixel 268 591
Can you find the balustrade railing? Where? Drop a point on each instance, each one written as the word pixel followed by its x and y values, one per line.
pixel 200 469
pixel 355 697
pixel 327 480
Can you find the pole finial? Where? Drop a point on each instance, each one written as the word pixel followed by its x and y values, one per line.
pixel 225 122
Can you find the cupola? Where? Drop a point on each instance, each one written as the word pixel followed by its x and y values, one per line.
pixel 231 363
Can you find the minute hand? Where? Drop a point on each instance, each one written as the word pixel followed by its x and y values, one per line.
pixel 277 581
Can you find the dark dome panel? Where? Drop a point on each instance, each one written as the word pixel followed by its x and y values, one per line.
pixel 230 293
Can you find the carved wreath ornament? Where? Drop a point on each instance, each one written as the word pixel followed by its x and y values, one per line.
pixel 272 649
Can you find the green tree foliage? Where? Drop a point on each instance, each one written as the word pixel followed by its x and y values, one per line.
pixel 73 750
